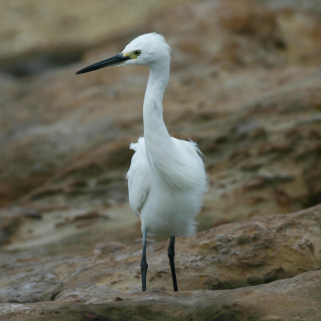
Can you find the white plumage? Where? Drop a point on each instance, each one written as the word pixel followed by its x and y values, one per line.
pixel 166 191
pixel 167 178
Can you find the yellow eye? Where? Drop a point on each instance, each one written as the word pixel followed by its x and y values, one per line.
pixel 137 52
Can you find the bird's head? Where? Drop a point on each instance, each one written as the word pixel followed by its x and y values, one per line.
pixel 146 50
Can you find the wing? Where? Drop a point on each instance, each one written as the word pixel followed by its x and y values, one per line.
pixel 139 177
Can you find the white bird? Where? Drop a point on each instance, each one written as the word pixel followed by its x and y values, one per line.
pixel 167 177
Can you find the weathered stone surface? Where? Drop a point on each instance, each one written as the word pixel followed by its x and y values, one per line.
pixel 62 28
pixel 33 280
pixel 256 251
pixel 294 25
pixel 293 299
pixel 238 32
pixel 241 32
pixel 59 120
pixel 250 97
pixel 265 160
pixel 310 5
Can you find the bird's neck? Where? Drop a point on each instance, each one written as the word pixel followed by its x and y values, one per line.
pixel 154 126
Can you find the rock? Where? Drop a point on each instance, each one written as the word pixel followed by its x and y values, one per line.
pixel 256 251
pixel 94 147
pixel 54 125
pixel 258 168
pixel 294 25
pixel 34 280
pixel 43 287
pixel 296 298
pixel 250 97
pixel 58 31
pixel 242 32
pixel 259 250
pixel 307 5
pixel 55 33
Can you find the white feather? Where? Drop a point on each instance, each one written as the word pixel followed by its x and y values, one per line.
pixel 167 192
pixel 167 178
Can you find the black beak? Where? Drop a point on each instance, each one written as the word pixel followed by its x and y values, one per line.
pixel 116 60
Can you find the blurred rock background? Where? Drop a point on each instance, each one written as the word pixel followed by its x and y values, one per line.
pixel 245 85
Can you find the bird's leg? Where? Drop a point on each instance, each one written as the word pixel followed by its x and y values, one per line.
pixel 171 255
pixel 144 265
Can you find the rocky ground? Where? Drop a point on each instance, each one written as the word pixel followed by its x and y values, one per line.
pixel 253 270
pixel 245 85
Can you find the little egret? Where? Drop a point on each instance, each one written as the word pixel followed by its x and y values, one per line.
pixel 167 178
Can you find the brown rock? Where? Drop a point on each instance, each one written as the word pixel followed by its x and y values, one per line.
pixel 279 123
pixel 306 27
pixel 64 154
pixel 286 300
pixel 256 251
pixel 233 28
pixel 61 131
pixel 308 5
pixel 56 27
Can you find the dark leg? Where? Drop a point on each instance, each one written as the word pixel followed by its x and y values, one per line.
pixel 144 265
pixel 171 255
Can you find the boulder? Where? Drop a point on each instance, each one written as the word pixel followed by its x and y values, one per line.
pixel 306 5
pixel 250 97
pixel 38 35
pixel 286 300
pixel 256 251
